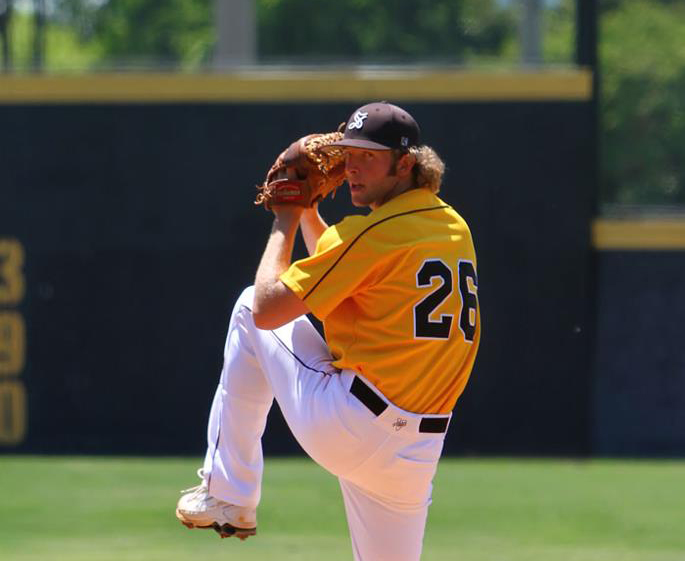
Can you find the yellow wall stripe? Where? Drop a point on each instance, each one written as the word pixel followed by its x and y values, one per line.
pixel 298 85
pixel 648 234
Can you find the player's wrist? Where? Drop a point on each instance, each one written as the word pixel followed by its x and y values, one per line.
pixel 287 216
pixel 310 214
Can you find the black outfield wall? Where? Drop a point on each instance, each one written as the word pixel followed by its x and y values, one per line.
pixel 639 395
pixel 127 230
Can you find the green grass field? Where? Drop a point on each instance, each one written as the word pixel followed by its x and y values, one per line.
pixel 98 509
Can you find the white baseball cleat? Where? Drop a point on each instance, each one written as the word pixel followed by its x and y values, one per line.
pixel 198 509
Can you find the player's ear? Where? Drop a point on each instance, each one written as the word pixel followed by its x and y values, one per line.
pixel 405 164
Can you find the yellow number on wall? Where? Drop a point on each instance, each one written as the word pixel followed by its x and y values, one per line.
pixel 12 412
pixel 12 343
pixel 11 276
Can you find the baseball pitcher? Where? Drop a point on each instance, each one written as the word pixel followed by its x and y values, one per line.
pixel 397 292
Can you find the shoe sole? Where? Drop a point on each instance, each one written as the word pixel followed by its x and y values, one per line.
pixel 224 530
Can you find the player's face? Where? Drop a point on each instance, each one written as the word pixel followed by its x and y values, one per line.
pixel 368 173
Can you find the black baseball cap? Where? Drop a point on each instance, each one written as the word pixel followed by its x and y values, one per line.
pixel 380 126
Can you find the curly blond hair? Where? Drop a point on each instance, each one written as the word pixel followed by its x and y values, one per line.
pixel 429 168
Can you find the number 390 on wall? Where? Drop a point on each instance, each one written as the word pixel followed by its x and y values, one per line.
pixel 13 414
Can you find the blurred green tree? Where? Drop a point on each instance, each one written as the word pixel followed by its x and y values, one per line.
pixel 79 15
pixel 178 32
pixel 382 30
pixel 152 33
pixel 5 19
pixel 642 54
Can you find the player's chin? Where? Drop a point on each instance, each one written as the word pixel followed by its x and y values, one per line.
pixel 357 195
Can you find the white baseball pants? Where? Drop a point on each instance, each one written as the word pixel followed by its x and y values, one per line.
pixel 384 464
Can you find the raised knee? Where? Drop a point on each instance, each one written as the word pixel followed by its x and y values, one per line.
pixel 246 297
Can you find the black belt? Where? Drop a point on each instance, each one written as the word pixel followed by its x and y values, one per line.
pixel 376 405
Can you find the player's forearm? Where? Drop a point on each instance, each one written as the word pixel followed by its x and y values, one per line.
pixel 274 303
pixel 277 255
pixel 312 226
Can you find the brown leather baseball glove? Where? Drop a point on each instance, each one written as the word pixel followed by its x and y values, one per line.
pixel 304 173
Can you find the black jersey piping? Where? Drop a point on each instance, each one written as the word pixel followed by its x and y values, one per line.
pixel 360 235
pixel 297 358
pixel 290 351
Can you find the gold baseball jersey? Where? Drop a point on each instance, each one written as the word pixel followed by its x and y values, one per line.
pixel 396 291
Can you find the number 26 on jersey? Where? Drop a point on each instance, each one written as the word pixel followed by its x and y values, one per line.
pixel 426 325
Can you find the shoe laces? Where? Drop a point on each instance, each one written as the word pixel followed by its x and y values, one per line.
pixel 201 487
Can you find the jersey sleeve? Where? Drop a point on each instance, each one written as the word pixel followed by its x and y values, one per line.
pixel 341 266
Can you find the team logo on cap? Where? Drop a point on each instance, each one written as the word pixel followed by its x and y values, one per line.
pixel 400 423
pixel 358 120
